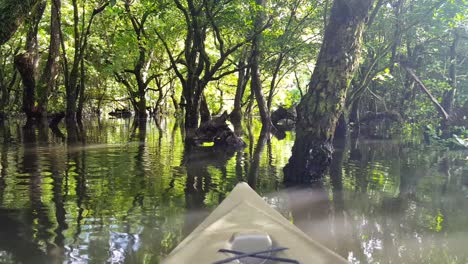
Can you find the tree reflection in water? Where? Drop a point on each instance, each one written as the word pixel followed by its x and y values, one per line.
pixel 130 192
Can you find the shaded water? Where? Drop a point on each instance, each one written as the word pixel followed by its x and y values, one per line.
pixel 130 195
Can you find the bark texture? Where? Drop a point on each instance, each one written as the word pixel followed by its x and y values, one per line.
pixel 320 108
pixel 27 62
pixel 256 82
pixel 242 80
pixel 12 14
pixel 51 70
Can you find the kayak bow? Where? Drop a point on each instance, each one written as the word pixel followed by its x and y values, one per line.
pixel 245 229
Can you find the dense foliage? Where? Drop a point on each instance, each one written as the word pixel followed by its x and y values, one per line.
pixel 159 57
pixel 128 187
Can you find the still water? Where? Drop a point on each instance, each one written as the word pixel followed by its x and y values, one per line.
pixel 126 195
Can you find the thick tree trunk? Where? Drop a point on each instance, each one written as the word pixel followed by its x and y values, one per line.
pixel 71 91
pixel 26 65
pixel 141 103
pixel 73 135
pixel 27 62
pixel 142 106
pixel 192 94
pixel 319 110
pixel 192 113
pixel 139 73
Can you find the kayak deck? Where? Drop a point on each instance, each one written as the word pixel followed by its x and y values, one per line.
pixel 243 211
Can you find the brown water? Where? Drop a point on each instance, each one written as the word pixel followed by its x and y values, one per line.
pixel 129 195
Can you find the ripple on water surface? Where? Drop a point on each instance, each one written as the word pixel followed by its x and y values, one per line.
pixel 130 196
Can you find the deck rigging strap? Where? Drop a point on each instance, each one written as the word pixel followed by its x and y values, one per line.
pixel 255 254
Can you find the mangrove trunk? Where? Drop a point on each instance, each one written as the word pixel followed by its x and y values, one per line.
pixel 320 108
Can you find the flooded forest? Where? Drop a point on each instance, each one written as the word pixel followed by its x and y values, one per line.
pixel 124 123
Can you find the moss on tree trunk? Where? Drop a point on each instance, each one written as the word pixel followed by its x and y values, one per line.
pixel 12 14
pixel 320 108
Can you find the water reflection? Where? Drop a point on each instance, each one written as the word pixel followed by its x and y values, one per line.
pixel 17 243
pixel 252 176
pixel 118 191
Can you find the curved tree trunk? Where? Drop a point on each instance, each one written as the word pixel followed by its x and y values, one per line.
pixel 320 108
pixel 26 65
pixel 256 83
pixel 242 79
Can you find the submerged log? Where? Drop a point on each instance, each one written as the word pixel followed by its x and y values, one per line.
pixel 284 117
pixel 121 113
pixel 217 131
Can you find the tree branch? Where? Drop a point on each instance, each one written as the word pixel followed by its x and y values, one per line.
pixel 171 58
pixel 439 107
pixel 217 32
pixel 209 76
pixel 229 72
pixel 151 78
pixel 374 12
